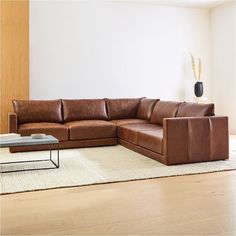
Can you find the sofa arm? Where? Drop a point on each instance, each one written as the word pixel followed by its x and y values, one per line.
pixel 195 139
pixel 12 122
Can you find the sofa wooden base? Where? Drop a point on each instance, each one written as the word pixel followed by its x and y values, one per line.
pixel 141 150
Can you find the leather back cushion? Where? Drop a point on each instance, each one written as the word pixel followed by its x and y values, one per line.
pixel 84 109
pixel 195 109
pixel 29 111
pixel 145 108
pixel 122 108
pixel 164 109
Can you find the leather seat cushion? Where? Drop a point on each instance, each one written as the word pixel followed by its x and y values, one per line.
pixel 129 132
pixel 145 108
pixel 188 109
pixel 32 111
pixel 151 139
pixel 84 109
pixel 91 129
pixel 57 130
pixel 129 121
pixel 164 109
pixel 122 108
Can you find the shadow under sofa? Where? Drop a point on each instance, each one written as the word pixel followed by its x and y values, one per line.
pixel 167 131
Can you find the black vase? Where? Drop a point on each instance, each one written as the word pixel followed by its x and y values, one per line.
pixel 198 89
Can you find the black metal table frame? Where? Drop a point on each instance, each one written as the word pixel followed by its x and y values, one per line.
pixel 56 165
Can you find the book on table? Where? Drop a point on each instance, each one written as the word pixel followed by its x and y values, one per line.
pixel 10 136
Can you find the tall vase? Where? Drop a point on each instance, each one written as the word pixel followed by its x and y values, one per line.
pixel 198 89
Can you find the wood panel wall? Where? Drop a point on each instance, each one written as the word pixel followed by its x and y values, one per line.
pixel 14 47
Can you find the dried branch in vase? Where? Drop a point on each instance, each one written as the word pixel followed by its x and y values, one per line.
pixel 196 71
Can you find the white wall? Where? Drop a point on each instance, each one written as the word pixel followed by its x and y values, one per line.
pixel 89 49
pixel 223 61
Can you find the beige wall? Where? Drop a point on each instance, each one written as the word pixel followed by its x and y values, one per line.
pixel 91 49
pixel 223 61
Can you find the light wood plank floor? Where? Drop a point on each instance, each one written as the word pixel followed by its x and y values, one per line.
pixel 187 205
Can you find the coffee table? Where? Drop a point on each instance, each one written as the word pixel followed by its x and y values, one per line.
pixel 28 141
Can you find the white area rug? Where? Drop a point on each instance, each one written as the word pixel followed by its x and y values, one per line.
pixel 88 166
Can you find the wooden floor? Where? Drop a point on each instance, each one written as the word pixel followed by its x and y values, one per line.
pixel 187 205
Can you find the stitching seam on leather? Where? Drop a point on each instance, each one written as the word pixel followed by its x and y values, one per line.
pixel 188 144
pixel 210 138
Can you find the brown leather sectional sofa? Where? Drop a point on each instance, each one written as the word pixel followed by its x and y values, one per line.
pixel 170 132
